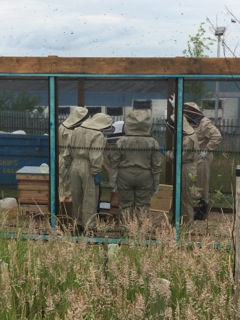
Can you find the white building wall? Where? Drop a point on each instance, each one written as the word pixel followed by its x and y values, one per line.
pixel 229 110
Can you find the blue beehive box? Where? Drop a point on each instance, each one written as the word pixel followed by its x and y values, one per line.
pixel 19 150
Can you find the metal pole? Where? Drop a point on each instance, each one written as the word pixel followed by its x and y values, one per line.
pixel 217 86
pixel 237 235
pixel 178 145
pixel 52 120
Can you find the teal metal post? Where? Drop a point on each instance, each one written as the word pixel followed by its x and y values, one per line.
pixel 52 119
pixel 178 146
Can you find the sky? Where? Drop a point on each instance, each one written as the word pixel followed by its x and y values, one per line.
pixel 113 28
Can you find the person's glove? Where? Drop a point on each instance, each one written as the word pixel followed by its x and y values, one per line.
pixel 162 150
pixel 113 185
pixel 155 190
pixel 203 154
pixel 172 100
pixel 97 179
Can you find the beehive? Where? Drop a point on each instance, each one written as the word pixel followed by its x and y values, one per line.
pixel 33 190
pixel 162 200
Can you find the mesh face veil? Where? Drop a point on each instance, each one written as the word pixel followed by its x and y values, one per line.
pixel 192 112
pixel 187 128
pixel 170 124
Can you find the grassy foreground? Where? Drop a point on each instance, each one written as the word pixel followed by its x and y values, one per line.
pixel 69 280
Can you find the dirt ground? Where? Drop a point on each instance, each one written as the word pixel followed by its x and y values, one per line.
pixel 217 227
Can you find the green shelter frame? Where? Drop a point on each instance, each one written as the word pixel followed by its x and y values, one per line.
pixel 175 69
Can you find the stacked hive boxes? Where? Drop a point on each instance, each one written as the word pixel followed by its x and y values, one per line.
pixel 33 190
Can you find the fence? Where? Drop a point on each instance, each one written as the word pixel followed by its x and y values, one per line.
pixel 11 121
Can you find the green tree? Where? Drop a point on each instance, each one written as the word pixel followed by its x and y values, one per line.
pixel 198 46
pixel 18 102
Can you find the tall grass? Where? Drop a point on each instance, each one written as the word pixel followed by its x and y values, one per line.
pixel 143 280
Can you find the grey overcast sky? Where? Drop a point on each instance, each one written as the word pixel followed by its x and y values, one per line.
pixel 112 28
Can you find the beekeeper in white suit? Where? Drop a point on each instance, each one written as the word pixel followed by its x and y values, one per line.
pixel 113 137
pixel 65 131
pixel 209 137
pixel 190 147
pixel 118 127
pixel 136 165
pixel 86 158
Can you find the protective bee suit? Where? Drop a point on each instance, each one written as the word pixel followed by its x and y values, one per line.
pixel 112 138
pixel 136 164
pixel 85 155
pixel 209 137
pixel 65 131
pixel 118 127
pixel 190 147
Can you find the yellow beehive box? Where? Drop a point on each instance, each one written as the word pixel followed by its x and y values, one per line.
pixel 33 189
pixel 162 200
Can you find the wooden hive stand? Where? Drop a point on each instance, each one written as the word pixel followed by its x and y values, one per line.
pixel 161 204
pixel 162 200
pixel 114 207
pixel 33 190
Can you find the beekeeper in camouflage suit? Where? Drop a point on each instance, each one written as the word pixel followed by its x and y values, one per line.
pixel 209 137
pixel 85 156
pixel 136 164
pixel 190 149
pixel 65 130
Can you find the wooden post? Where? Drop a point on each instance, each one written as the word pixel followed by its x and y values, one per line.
pixel 237 232
pixel 172 89
pixel 81 101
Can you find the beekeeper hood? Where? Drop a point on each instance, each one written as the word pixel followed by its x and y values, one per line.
pixel 76 117
pixel 187 129
pixel 138 123
pixel 100 122
pixel 192 112
pixel 118 126
pixel 117 132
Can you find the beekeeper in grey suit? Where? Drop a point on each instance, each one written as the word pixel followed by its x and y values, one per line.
pixel 85 155
pixel 190 147
pixel 65 130
pixel 136 164
pixel 209 137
